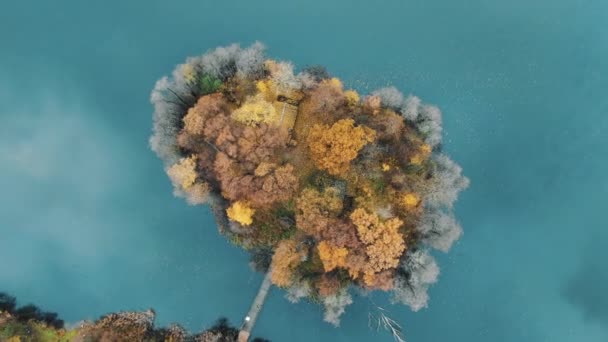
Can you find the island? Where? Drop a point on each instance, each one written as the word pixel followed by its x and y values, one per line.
pixel 328 189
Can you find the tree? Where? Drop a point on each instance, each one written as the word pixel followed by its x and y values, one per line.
pixel 183 174
pixel 328 285
pixel 384 243
pixel 446 183
pixel 241 213
pixel 318 72
pixel 417 271
pixel 335 305
pixel 286 258
pixel 383 280
pixel 172 96
pixel 333 148
pixel 250 62
pixel 388 127
pixel 341 233
pixel 373 104
pixel 331 256
pixel 421 155
pixel 429 123
pixel 315 210
pixel 279 183
pixel 256 110
pixel 352 97
pixel 410 200
pixel 390 97
pixel 411 108
pixel 328 97
pixel 297 291
pixel 439 229
pixel 282 75
pixel 206 106
pixel 168 108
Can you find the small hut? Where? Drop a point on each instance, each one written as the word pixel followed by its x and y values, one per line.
pixel 286 105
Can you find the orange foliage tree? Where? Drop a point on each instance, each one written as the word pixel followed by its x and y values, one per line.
pixel 332 256
pixel 384 242
pixel 333 148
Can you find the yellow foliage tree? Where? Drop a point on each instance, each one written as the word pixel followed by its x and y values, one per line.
pixel 183 173
pixel 193 121
pixel 285 259
pixel 421 155
pixel 241 213
pixel 384 242
pixel 332 256
pixel 333 148
pixel 335 82
pixel 410 200
pixel 352 97
pixel 189 73
pixel 256 110
pixel 267 89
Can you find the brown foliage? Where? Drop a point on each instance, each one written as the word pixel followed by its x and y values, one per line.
pixel 384 242
pixel 328 97
pixel 316 211
pixel 285 259
pixel 388 125
pixel 125 326
pixel 356 263
pixel 328 285
pixel 207 106
pixel 274 184
pixel 372 104
pixel 379 281
pixel 341 233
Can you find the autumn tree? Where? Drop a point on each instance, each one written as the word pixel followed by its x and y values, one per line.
pixel 418 272
pixel 331 256
pixel 328 285
pixel 384 242
pixel 241 213
pixel 183 175
pixel 285 259
pixel 205 107
pixel 384 280
pixel 315 210
pixel 329 97
pixel 421 155
pixel 276 183
pixel 256 110
pixel 335 306
pixel 333 148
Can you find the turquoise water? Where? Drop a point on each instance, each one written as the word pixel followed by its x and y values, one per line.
pixel 88 223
